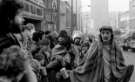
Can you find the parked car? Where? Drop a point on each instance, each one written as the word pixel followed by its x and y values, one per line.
pixel 129 46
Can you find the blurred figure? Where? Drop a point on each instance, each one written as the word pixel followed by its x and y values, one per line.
pixel 53 39
pixel 37 37
pixel 77 38
pixel 61 58
pixel 47 33
pixel 104 62
pixel 11 22
pixel 41 56
pixel 27 33
pixel 86 43
pixel 15 67
pixel 31 29
pixel 44 57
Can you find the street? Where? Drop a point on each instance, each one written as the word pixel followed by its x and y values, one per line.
pixel 130 59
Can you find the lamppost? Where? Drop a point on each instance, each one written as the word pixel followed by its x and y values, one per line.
pixel 76 16
pixel 72 17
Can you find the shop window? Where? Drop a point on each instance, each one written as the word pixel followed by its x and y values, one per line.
pixel 39 11
pixel 26 7
pixel 32 9
pixel 55 17
pixel 52 17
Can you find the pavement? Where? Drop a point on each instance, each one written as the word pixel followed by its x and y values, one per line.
pixel 130 59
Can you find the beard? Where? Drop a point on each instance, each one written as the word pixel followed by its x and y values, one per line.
pixel 106 39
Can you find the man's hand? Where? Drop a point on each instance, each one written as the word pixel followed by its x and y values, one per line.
pixel 43 71
pixel 64 73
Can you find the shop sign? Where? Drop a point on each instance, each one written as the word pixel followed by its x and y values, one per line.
pixel 48 17
pixel 31 16
pixel 38 2
pixel 54 4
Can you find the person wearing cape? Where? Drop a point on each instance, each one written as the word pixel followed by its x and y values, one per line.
pixel 104 62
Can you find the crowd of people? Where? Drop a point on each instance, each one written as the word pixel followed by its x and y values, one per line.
pixel 27 55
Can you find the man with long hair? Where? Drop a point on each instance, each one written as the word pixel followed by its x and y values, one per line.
pixel 10 22
pixel 104 62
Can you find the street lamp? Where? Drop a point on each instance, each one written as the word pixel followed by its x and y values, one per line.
pixel 76 16
pixel 72 17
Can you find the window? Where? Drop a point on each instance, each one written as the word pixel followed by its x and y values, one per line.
pixel 39 11
pixel 32 9
pixel 26 7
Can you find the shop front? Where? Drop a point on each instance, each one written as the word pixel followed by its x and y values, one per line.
pixel 33 12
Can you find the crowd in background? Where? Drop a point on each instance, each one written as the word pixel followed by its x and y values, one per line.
pixel 51 52
pixel 27 55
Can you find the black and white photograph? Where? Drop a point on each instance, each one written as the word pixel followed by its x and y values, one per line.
pixel 67 40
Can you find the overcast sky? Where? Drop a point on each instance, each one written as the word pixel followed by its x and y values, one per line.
pixel 114 5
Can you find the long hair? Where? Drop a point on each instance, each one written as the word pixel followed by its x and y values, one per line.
pixel 109 28
pixel 67 38
pixel 111 40
pixel 37 36
pixel 8 11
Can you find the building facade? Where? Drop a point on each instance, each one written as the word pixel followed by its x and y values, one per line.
pixel 100 13
pixel 76 14
pixel 65 15
pixel 132 14
pixel 33 12
pixel 114 18
pixel 86 23
pixel 124 21
pixel 52 15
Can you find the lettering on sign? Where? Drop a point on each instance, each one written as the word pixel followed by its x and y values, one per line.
pixel 38 2
pixel 48 17
pixel 54 4
pixel 54 15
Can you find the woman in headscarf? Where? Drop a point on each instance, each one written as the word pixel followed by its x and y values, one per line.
pixel 77 38
pixel 84 49
pixel 104 62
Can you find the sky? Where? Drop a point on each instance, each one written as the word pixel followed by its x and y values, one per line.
pixel 114 5
pixel 118 5
pixel 85 4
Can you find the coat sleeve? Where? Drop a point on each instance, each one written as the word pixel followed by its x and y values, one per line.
pixel 29 75
pixel 88 59
pixel 91 70
pixel 119 57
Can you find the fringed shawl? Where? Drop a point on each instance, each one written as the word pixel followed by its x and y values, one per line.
pixel 93 68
